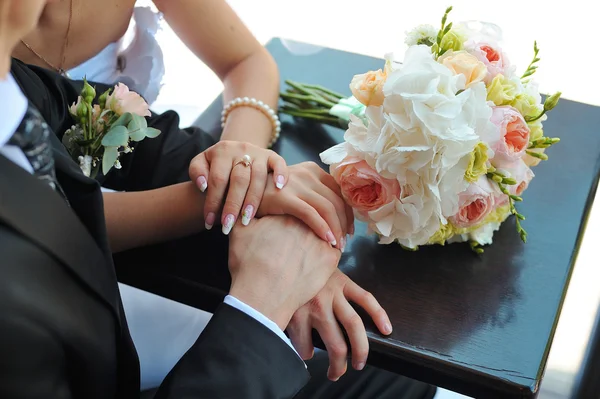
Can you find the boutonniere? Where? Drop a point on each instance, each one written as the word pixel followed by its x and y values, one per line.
pixel 104 131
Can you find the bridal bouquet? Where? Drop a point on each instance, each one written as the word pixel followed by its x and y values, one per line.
pixel 438 149
pixel 104 131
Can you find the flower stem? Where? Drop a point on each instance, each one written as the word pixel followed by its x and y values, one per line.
pixel 442 32
pixel 543 142
pixel 501 180
pixel 539 155
pixel 532 67
pixel 314 90
pixel 309 115
pixel 475 247
pixel 308 98
pixel 326 91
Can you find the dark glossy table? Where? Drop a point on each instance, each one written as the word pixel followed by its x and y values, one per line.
pixel 478 325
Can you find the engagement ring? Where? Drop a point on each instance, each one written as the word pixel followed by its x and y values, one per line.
pixel 246 160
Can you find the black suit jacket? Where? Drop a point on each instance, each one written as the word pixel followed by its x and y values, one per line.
pixel 63 332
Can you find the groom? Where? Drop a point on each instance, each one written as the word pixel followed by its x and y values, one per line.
pixel 63 329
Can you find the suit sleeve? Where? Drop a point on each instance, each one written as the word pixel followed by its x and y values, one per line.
pixel 235 357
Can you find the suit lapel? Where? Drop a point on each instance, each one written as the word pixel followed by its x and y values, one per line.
pixel 36 211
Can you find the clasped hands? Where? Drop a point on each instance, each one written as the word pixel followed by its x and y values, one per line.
pixel 283 263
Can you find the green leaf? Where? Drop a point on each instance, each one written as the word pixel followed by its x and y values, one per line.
pixel 116 137
pixel 137 122
pixel 108 160
pixel 152 132
pixel 137 135
pixel 123 120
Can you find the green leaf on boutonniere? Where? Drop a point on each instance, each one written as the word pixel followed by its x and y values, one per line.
pixel 152 132
pixel 116 137
pixel 138 135
pixel 110 157
pixel 123 120
pixel 137 128
pixel 137 123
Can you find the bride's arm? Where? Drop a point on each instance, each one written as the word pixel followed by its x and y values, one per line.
pixel 212 30
pixel 135 219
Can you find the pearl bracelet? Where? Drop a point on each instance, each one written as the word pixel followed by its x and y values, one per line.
pixel 259 105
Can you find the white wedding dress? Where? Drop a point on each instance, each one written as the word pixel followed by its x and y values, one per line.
pixel 162 330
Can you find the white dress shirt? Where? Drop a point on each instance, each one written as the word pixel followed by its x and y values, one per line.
pixel 13 106
pixel 144 311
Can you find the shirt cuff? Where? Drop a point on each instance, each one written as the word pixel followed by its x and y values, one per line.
pixel 255 314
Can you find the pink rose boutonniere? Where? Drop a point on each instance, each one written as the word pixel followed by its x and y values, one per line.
pixel 104 131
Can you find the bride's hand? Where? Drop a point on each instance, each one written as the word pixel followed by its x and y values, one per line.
pixel 220 172
pixel 313 196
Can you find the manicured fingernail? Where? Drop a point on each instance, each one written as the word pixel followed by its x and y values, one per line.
pixel 331 379
pixel 228 223
pixel 360 366
pixel 247 215
pixel 331 238
pixel 280 182
pixel 201 183
pixel 343 244
pixel 210 221
pixel 387 327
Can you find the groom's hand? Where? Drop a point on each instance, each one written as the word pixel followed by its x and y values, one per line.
pixel 329 312
pixel 278 264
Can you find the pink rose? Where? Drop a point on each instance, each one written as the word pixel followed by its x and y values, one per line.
pixel 121 100
pixel 522 174
pixel 512 136
pixel 491 56
pixel 475 203
pixel 362 187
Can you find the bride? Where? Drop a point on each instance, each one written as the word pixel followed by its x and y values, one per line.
pixel 120 46
pixel 108 51
pixel 114 40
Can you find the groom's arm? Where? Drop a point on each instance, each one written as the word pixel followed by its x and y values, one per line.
pixel 235 357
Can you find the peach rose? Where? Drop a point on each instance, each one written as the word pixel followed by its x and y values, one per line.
pixel 368 87
pixel 492 57
pixel 362 187
pixel 475 203
pixel 512 137
pixel 121 100
pixel 463 63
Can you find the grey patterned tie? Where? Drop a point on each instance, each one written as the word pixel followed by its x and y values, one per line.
pixel 33 137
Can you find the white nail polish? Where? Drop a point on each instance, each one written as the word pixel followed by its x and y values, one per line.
pixel 331 238
pixel 280 182
pixel 228 225
pixel 247 215
pixel 203 184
